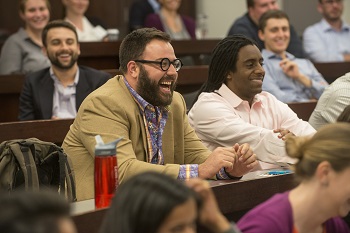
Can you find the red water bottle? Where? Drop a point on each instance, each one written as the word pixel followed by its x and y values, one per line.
pixel 106 172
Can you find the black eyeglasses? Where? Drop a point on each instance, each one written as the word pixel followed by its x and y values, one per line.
pixel 165 63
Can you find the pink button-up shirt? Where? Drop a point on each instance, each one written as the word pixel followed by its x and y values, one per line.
pixel 223 119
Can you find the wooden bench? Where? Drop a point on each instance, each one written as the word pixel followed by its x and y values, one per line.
pixel 190 79
pixel 333 70
pixel 303 109
pixel 235 198
pixel 10 89
pixel 46 130
pixel 105 55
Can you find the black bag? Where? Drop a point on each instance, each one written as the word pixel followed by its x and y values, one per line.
pixel 33 164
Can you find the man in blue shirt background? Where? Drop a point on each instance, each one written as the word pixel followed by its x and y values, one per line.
pixel 248 25
pixel 329 39
pixel 289 78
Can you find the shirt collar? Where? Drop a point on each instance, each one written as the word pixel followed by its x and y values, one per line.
pixel 232 98
pixel 55 79
pixel 25 37
pixel 270 55
pixel 155 5
pixel 325 26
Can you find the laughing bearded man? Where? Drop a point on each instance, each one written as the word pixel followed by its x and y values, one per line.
pixel 142 107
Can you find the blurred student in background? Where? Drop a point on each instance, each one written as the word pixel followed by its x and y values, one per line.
pixel 21 52
pixel 139 11
pixel 168 20
pixel 329 39
pixel 88 29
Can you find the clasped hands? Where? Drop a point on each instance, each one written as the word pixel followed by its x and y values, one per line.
pixel 237 161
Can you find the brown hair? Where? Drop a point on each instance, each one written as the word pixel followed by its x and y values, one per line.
pixel 22 5
pixel 57 24
pixel 250 3
pixel 271 14
pixel 134 44
pixel 331 143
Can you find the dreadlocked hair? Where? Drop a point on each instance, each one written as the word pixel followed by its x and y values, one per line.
pixel 224 59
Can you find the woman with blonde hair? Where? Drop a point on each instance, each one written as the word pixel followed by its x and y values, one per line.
pixel 323 194
pixel 22 51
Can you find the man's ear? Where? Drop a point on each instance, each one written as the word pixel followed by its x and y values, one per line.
pixel 133 69
pixel 21 15
pixel 261 35
pixel 78 45
pixel 319 8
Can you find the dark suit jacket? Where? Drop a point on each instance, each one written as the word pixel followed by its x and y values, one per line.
pixel 36 98
pixel 138 13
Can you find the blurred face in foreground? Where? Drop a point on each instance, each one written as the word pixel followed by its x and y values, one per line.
pixel 182 219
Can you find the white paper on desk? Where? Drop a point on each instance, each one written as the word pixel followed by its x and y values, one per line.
pixel 275 165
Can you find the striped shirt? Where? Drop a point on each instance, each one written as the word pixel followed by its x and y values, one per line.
pixel 332 102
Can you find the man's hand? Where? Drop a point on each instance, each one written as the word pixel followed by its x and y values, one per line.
pixel 209 215
pixel 246 160
pixel 291 69
pixel 284 133
pixel 219 158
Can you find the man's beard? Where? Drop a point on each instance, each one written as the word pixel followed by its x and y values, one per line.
pixel 150 91
pixel 55 61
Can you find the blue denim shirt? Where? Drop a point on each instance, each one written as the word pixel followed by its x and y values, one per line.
pixel 287 89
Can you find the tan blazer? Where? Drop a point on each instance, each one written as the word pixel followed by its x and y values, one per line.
pixel 111 112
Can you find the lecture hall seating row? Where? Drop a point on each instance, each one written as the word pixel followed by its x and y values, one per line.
pixel 190 79
pixel 104 55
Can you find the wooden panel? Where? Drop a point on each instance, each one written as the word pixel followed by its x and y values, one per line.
pixel 10 89
pixel 104 55
pixel 303 109
pixel 46 130
pixel 333 70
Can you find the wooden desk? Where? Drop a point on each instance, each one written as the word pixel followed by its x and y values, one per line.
pixel 46 130
pixel 303 109
pixel 333 70
pixel 234 198
pixel 105 55
pixel 10 89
